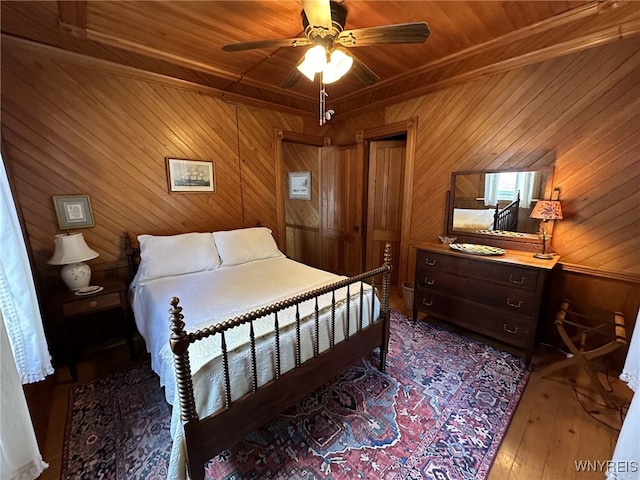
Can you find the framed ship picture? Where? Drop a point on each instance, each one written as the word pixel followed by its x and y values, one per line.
pixel 190 176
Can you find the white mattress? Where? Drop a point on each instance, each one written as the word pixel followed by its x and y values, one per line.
pixel 467 218
pixel 210 297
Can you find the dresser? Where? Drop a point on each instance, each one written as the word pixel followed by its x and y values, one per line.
pixel 501 297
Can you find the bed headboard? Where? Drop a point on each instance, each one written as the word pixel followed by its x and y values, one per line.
pixel 133 255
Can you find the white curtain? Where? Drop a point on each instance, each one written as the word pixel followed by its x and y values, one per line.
pixel 18 301
pixel 625 464
pixel 526 183
pixel 24 353
pixel 20 457
pixel 491 182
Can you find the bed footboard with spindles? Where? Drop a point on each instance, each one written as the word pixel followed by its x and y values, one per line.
pixel 208 436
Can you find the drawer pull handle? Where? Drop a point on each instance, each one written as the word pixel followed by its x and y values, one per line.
pixel 514 305
pixel 431 263
pixel 429 282
pixel 427 304
pixel 508 330
pixel 92 304
pixel 517 282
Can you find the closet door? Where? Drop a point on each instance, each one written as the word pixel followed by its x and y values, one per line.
pixel 341 186
pixel 384 204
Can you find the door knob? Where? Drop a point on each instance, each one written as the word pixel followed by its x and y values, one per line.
pixel 356 228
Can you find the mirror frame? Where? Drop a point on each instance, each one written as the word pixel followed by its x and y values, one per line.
pixel 528 241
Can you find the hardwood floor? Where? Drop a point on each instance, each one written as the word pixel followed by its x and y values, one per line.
pixel 549 432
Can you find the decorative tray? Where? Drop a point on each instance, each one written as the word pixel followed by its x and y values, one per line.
pixel 502 233
pixel 475 249
pixel 89 290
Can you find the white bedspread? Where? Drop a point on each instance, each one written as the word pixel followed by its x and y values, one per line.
pixel 210 297
pixel 468 218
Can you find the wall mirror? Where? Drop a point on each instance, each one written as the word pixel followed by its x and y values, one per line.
pixel 494 206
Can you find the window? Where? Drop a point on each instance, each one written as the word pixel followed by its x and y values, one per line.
pixel 507 188
pixel 507 185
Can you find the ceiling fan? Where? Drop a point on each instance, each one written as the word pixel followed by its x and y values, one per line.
pixel 323 22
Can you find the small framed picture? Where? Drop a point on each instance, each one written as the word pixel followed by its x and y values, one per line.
pixel 73 211
pixel 300 185
pixel 190 176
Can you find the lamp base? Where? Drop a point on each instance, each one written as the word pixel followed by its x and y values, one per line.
pixel 543 256
pixel 76 275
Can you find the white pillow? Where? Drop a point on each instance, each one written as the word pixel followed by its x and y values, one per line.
pixel 245 245
pixel 162 256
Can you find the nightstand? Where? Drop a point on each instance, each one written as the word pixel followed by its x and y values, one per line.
pixel 83 308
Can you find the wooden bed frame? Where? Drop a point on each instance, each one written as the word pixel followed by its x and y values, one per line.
pixel 506 219
pixel 206 437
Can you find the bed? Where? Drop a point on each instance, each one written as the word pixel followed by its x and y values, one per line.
pixel 250 332
pixel 488 219
pixel 473 219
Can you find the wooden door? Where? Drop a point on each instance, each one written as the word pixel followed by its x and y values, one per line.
pixel 384 202
pixel 341 185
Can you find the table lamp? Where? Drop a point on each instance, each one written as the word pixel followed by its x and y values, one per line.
pixel 546 210
pixel 72 251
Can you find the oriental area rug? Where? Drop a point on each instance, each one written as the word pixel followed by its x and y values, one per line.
pixel 439 412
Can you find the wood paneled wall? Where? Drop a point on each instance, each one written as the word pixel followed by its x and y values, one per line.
pixel 344 131
pixel 69 128
pixel 579 113
pixel 302 217
pixel 257 157
pixel 591 287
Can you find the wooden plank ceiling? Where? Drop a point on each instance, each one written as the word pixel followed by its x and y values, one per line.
pixel 184 40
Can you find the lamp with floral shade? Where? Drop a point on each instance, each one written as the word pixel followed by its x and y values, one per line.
pixel 546 210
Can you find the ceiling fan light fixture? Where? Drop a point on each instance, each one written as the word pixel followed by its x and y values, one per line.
pixel 314 61
pixel 340 63
pixel 323 22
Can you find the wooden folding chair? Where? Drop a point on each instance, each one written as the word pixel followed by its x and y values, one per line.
pixel 585 323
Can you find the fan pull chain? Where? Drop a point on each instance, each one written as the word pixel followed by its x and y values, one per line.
pixel 322 102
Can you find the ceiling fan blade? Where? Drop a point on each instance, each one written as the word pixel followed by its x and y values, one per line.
pixel 416 32
pixel 275 43
pixel 292 78
pixel 318 13
pixel 362 73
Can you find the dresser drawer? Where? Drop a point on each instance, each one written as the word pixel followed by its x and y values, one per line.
pixel 512 275
pixel 513 329
pixel 426 261
pixel 496 296
pixel 512 299
pixel 89 305
pixel 508 275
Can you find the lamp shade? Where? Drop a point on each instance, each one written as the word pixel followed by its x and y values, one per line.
pixel 314 62
pixel 71 248
pixel 547 210
pixel 332 66
pixel 339 65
